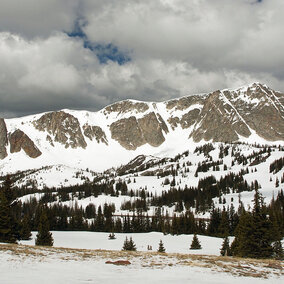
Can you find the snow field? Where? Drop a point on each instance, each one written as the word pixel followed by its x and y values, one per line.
pixel 98 240
pixel 33 264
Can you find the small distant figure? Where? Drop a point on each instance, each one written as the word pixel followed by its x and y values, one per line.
pixel 149 247
pixel 111 236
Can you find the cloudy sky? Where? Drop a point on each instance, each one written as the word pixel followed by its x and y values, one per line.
pixel 86 54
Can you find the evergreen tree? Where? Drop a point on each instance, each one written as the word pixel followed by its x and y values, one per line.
pixel 278 252
pixel 224 226
pixel 8 192
pixel 254 233
pixel 161 247
pixel 129 245
pixel 25 233
pixel 99 221
pixel 44 237
pixel 6 232
pixel 195 243
pixel 225 249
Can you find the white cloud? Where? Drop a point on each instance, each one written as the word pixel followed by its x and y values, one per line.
pixel 37 17
pixel 207 34
pixel 176 47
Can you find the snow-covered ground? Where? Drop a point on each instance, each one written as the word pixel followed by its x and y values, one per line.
pixel 98 240
pixel 58 176
pixel 31 264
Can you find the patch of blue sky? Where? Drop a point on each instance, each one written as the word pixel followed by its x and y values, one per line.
pixel 104 52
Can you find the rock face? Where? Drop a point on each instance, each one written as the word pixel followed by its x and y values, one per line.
pixel 126 106
pixel 187 120
pixel 262 109
pixel 228 114
pixel 132 133
pixel 3 139
pixel 127 132
pixel 95 132
pixel 220 116
pixel 186 102
pixel 64 127
pixel 151 129
pixel 219 121
pixel 19 140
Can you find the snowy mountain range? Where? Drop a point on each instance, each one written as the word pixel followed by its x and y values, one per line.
pixel 121 131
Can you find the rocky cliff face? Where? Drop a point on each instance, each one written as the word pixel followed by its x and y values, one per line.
pixel 262 110
pixel 20 141
pixel 95 132
pixel 220 116
pixel 228 114
pixel 126 106
pixel 132 133
pixel 63 127
pixel 219 121
pixel 3 139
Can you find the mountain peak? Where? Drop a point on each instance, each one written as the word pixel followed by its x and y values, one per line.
pixel 125 129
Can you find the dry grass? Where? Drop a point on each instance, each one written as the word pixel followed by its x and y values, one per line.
pixel 261 268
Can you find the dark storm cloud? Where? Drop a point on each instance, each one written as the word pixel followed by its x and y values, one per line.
pixel 87 54
pixel 31 18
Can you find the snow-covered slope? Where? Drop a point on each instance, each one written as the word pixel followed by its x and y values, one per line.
pixel 120 132
pixel 155 176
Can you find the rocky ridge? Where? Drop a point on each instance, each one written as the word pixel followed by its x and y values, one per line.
pixel 220 116
pixel 64 127
pixel 20 141
pixel 3 139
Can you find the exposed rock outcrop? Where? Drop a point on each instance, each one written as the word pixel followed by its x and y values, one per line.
pixel 132 133
pixel 151 129
pixel 262 110
pixel 187 120
pixel 219 121
pixel 128 133
pixel 119 262
pixel 3 139
pixel 221 116
pixel 20 141
pixel 127 106
pixel 186 102
pixel 96 132
pixel 64 127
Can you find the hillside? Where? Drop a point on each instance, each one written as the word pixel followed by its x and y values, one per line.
pixel 126 129
pixel 155 176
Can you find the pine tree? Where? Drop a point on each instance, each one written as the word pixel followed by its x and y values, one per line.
pixel 161 247
pixel 278 252
pixel 25 232
pixel 9 227
pixel 6 232
pixel 129 244
pixel 44 237
pixel 195 243
pixel 224 226
pixel 225 249
pixel 254 233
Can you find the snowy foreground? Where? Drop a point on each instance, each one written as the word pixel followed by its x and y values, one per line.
pixel 95 240
pixel 83 264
